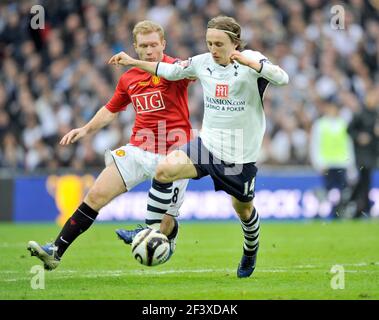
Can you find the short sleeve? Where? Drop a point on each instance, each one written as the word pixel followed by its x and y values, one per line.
pixel 120 99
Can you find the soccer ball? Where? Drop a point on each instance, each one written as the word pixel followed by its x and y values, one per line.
pixel 150 247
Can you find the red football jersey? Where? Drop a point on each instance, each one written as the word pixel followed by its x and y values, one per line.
pixel 161 106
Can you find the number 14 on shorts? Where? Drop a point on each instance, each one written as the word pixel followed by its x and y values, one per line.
pixel 249 187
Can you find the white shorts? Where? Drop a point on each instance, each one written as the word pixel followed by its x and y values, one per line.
pixel 136 166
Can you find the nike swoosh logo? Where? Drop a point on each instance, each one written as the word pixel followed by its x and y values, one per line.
pixel 63 240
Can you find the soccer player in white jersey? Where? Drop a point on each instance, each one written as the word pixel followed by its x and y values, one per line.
pixel 227 149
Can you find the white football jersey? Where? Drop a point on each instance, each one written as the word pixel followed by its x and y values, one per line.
pixel 234 121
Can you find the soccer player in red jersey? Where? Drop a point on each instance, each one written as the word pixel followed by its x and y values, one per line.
pixel 161 124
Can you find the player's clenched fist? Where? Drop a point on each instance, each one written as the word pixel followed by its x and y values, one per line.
pixel 121 58
pixel 240 58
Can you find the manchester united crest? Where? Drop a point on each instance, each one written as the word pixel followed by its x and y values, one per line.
pixel 120 153
pixel 155 80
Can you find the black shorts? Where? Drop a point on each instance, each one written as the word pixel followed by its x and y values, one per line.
pixel 237 180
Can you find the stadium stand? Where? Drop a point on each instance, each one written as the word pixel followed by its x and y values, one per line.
pixel 54 79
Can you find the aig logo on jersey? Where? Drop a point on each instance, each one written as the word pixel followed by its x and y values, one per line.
pixel 148 102
pixel 222 90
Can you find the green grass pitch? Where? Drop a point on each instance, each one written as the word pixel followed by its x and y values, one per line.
pixel 294 262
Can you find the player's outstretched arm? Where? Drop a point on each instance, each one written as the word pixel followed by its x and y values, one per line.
pixel 272 73
pixel 102 118
pixel 123 59
pixel 168 71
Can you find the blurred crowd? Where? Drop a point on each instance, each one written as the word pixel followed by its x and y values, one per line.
pixel 56 78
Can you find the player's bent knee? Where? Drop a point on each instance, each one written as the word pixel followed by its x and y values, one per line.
pixel 243 209
pixel 96 198
pixel 165 173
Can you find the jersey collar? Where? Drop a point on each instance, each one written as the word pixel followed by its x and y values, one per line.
pixel 221 67
pixel 165 58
